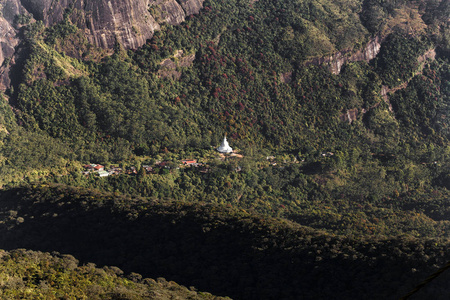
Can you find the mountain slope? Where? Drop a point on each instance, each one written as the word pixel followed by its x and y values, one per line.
pixel 26 274
pixel 225 250
pixel 339 114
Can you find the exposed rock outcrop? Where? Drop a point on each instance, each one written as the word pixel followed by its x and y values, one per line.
pixel 384 93
pixel 10 9
pixel 429 54
pixel 385 90
pixel 129 22
pixel 352 114
pixel 286 77
pixel 8 40
pixel 349 116
pixel 8 43
pixel 104 22
pixel 125 21
pixel 337 60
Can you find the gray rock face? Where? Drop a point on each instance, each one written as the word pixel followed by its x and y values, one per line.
pixel 169 66
pixel 337 60
pixel 8 38
pixel 104 22
pixel 10 8
pixel 129 22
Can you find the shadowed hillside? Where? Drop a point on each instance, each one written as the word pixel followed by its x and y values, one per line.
pixel 26 274
pixel 223 250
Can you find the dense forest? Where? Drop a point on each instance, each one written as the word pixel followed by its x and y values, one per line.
pixel 337 174
pixel 224 250
pixel 30 274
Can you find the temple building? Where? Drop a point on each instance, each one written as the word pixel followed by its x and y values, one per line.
pixel 224 147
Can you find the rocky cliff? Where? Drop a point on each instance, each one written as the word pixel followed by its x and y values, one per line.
pixel 338 59
pixel 129 22
pixel 9 40
pixel 104 22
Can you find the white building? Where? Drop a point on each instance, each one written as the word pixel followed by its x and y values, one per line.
pixel 224 147
pixel 103 173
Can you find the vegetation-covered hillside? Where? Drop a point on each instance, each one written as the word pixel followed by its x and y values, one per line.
pixel 340 184
pixel 225 250
pixel 247 80
pixel 27 274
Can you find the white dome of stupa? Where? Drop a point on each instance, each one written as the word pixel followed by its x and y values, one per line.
pixel 224 147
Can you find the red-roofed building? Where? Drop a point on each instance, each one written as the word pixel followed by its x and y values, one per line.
pixel 189 162
pixel 99 167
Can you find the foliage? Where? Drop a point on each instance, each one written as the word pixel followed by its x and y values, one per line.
pixel 321 194
pixel 237 78
pixel 216 247
pixel 426 101
pixel 22 19
pixel 398 59
pixel 113 110
pixel 36 275
pixel 373 191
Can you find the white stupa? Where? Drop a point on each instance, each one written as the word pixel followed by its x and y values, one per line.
pixel 224 147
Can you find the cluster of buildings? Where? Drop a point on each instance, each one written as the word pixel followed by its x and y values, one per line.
pixel 224 149
pixel 149 169
pixel 95 168
pixel 98 169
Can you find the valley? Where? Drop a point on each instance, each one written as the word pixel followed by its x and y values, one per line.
pixel 111 114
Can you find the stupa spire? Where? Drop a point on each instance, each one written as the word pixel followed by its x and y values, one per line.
pixel 224 147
